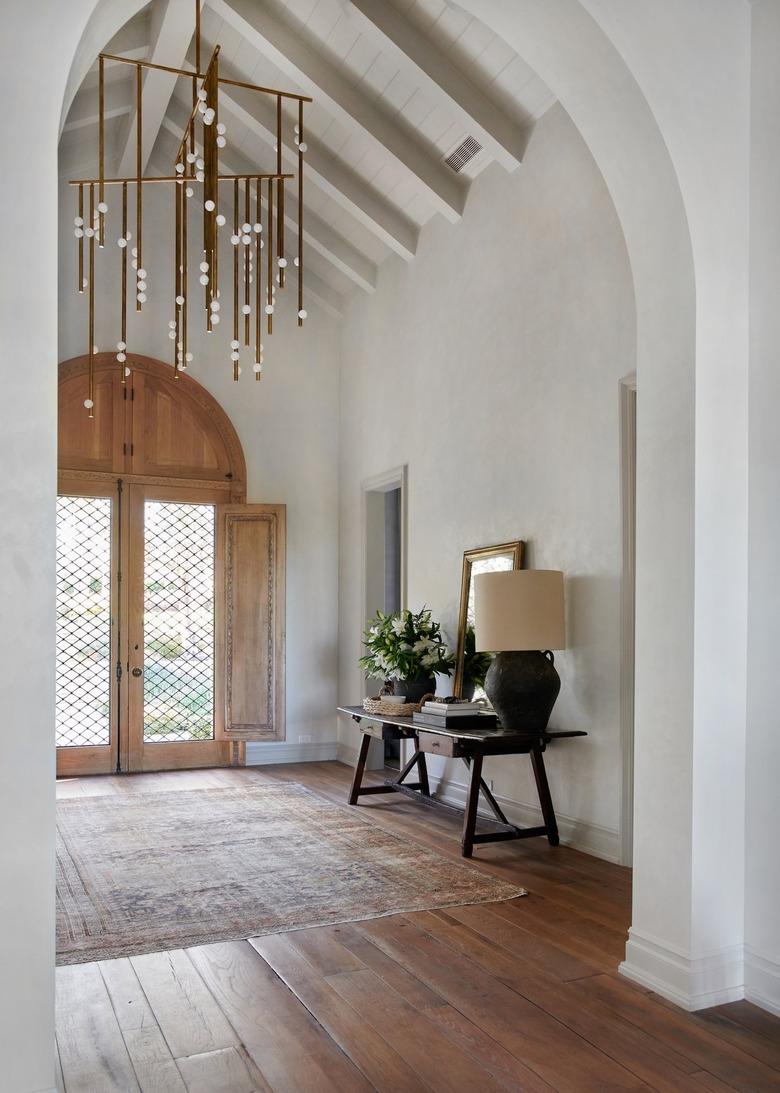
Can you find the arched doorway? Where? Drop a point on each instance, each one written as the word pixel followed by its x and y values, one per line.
pixel 169 587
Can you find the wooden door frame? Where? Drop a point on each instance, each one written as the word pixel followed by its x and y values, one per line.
pixel 170 755
pixel 100 478
pixel 98 758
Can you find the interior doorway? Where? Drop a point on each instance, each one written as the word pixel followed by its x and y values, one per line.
pixel 384 537
pixel 170 589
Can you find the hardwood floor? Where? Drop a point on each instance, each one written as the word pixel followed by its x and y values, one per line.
pixel 521 995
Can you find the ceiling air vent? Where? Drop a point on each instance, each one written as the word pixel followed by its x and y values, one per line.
pixel 460 156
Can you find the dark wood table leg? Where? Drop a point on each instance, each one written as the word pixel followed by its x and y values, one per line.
pixel 470 814
pixel 545 800
pixel 360 766
pixel 422 767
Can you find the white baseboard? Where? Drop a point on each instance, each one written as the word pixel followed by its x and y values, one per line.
pixel 601 842
pixel 762 980
pixel 693 983
pixel 283 751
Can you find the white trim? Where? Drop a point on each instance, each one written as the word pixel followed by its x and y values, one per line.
pixel 762 980
pixel 627 389
pixel 601 842
pixel 260 753
pixel 693 983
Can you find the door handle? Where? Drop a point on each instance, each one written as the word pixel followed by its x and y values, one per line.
pixel 138 672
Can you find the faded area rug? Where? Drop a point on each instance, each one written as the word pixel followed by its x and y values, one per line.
pixel 139 873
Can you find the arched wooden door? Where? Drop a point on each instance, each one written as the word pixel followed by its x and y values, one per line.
pixel 170 589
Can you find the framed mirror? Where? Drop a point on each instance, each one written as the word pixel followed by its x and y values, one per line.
pixel 489 559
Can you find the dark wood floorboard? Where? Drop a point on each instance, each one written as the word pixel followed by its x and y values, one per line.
pixel 522 995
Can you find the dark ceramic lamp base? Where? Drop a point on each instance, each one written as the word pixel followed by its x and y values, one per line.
pixel 522 688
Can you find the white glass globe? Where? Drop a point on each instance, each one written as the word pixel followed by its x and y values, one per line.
pixel 172 334
pixel 235 240
pixel 303 146
pixel 235 356
pixel 179 168
pixel 246 240
pixel 246 309
pixel 200 164
pixel 204 278
pixel 121 242
pixel 269 309
pixel 202 94
pixel 204 266
pixel 214 318
pixel 199 176
pixel 78 232
pixel 127 371
pixel 257 368
pixel 102 207
pixel 257 228
pixel 221 128
pixel 141 286
pixel 188 357
pixel 78 221
pixel 88 403
pixel 142 275
pixel 209 206
pixel 215 305
pixel 121 357
pixel 234 343
pixel 172 324
pixel 180 300
pixel 303 313
pixel 296 261
pixel 189 191
pixel 282 262
pixel 121 346
pixel 141 297
pixel 221 142
pixel 89 232
pixel 220 220
pixel 191 157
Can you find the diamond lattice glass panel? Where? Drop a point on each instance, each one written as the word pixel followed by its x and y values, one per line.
pixel 178 622
pixel 83 688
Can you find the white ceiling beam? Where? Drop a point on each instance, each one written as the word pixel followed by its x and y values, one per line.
pixel 317 234
pixel 496 131
pixel 170 37
pixel 325 171
pixel 84 111
pixel 353 107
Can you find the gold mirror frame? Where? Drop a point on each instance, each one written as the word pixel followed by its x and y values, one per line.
pixel 517 550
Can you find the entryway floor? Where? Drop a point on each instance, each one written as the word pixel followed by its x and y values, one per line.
pixel 522 995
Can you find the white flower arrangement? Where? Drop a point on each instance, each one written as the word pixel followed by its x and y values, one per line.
pixel 406 645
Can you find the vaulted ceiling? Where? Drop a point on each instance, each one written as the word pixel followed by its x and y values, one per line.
pixel 398 86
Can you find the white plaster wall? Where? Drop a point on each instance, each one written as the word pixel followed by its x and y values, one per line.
pixel 491 365
pixel 36 48
pixel 287 424
pixel 762 873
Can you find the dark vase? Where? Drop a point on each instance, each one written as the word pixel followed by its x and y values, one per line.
pixel 467 690
pixel 414 689
pixel 522 688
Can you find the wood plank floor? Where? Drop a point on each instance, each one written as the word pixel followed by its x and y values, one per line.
pixel 521 995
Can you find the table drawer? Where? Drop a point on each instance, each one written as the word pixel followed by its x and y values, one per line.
pixel 438 744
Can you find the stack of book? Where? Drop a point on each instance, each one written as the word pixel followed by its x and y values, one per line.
pixel 448 715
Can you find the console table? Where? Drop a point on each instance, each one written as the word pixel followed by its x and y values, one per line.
pixel 471 745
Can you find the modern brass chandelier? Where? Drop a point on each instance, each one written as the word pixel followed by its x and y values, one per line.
pixel 196 175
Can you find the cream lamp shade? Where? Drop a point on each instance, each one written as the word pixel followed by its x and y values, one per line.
pixel 520 609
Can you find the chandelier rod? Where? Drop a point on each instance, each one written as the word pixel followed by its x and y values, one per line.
pixel 170 178
pixel 202 76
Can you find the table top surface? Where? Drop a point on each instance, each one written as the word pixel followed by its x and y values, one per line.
pixel 470 733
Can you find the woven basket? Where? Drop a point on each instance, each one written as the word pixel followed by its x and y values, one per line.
pixel 393 709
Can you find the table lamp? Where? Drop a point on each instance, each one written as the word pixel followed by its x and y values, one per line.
pixel 519 616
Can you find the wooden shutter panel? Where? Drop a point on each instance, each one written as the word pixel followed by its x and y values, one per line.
pixel 251 545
